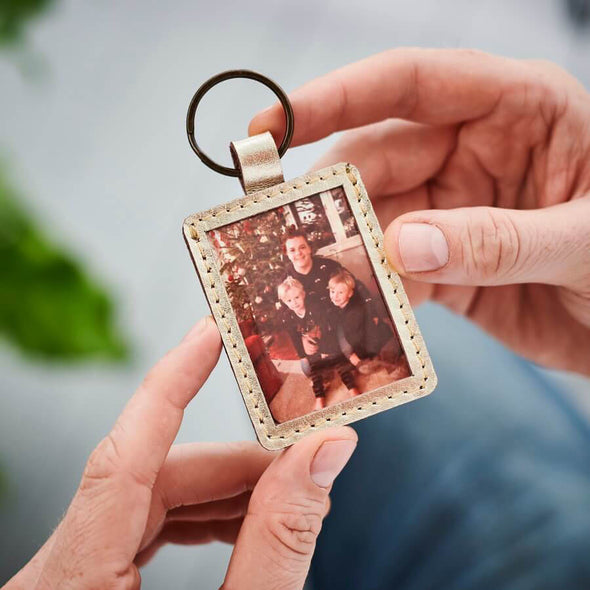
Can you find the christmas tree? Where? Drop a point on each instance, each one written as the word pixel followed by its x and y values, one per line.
pixel 252 263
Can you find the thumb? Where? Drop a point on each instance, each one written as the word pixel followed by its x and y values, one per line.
pixel 277 540
pixel 491 246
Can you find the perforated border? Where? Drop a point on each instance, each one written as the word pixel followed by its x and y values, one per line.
pixel 272 435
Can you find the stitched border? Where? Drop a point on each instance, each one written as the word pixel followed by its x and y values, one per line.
pixel 385 265
pixel 373 401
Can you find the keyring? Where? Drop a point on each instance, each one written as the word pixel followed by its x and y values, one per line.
pixel 192 111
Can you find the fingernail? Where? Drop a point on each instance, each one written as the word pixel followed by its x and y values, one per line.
pixel 198 328
pixel 259 115
pixel 422 247
pixel 330 460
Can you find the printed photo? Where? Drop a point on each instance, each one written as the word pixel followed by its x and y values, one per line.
pixel 309 308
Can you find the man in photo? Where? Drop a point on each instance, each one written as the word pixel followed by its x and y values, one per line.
pixel 313 272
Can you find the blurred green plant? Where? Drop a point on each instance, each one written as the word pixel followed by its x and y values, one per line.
pixel 14 15
pixel 49 307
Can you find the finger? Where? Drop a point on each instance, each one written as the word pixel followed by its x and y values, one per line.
pixel 140 440
pixel 226 509
pixel 277 540
pixel 190 533
pixel 387 208
pixel 490 246
pixel 435 86
pixel 202 473
pixel 393 156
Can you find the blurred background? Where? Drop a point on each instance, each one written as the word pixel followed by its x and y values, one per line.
pixel 96 177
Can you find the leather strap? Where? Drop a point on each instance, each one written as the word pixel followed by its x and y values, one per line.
pixel 258 162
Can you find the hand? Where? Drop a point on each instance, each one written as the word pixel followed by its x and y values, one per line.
pixel 484 185
pixel 354 359
pixel 136 494
pixel 310 346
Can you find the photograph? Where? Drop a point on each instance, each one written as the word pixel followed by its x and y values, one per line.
pixel 308 306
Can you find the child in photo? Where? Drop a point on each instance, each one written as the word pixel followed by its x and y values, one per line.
pixel 314 339
pixel 357 323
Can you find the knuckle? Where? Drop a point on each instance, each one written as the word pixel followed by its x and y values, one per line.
pixel 108 464
pixel 241 447
pixel 293 525
pixel 550 70
pixel 539 94
pixel 130 579
pixel 296 529
pixel 342 102
pixel 545 65
pixel 102 464
pixel 492 245
pixel 127 579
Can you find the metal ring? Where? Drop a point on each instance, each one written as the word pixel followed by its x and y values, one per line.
pixel 192 111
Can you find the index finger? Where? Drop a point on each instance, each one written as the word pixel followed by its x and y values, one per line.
pixel 434 86
pixel 142 436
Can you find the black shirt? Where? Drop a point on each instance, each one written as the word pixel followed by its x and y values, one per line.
pixel 361 323
pixel 315 282
pixel 313 324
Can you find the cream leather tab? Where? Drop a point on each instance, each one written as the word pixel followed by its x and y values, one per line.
pixel 258 161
